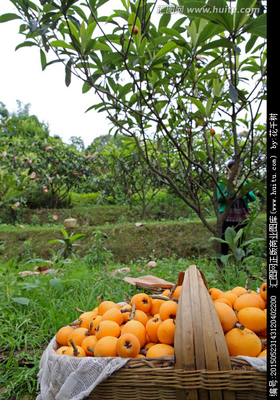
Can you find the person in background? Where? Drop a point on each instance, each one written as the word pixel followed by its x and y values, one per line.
pixel 239 213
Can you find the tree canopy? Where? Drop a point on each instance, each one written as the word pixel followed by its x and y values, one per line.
pixel 185 80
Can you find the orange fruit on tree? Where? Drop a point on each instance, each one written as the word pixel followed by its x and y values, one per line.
pixel 243 343
pixel 62 350
pixel 263 291
pixel 107 328
pixel 212 131
pixel 152 328
pixel 62 335
pixel 77 335
pixel 253 318
pixel 166 331
pixel 89 341
pixel 142 301
pixel 137 328
pixel 214 293
pixel 229 295
pixel 105 305
pixel 226 316
pixel 128 345
pixel 135 30
pixel 113 314
pixel 168 310
pixel 106 347
pixel 160 350
pixel 238 290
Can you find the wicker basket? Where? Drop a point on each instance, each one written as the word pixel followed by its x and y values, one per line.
pixel 201 369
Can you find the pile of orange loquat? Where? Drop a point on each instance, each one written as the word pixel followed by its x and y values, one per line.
pixel 145 326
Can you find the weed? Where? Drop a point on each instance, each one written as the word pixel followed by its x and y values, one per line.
pixel 98 255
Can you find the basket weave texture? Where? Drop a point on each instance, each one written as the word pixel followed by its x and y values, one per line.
pixel 201 368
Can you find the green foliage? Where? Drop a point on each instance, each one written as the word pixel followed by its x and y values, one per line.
pixel 98 256
pixel 166 86
pixel 68 242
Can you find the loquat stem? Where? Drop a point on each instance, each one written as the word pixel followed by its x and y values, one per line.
pixel 124 310
pixel 132 314
pixel 90 349
pixel 76 323
pixel 75 348
pixel 164 298
pixel 127 296
pixel 240 326
pixel 99 299
pixel 172 290
pixel 78 309
pixel 88 333
pixel 247 283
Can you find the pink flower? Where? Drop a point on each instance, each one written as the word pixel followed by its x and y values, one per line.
pixel 22 226
pixel 15 158
pixel 87 157
pixel 47 148
pixel 4 154
pixel 32 175
pixel 55 217
pixel 45 189
pixel 75 173
pixel 129 191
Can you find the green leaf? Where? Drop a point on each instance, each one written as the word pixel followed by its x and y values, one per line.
pixel 43 59
pixel 201 155
pixel 198 104
pixel 21 300
pixel 56 241
pixel 76 237
pixel 257 26
pixel 167 48
pixel 68 67
pixel 220 43
pixel 101 46
pixel 233 93
pixel 200 10
pixel 65 234
pixel 209 106
pixel 8 17
pixel 61 43
pixel 230 235
pixel 26 44
pixel 240 16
